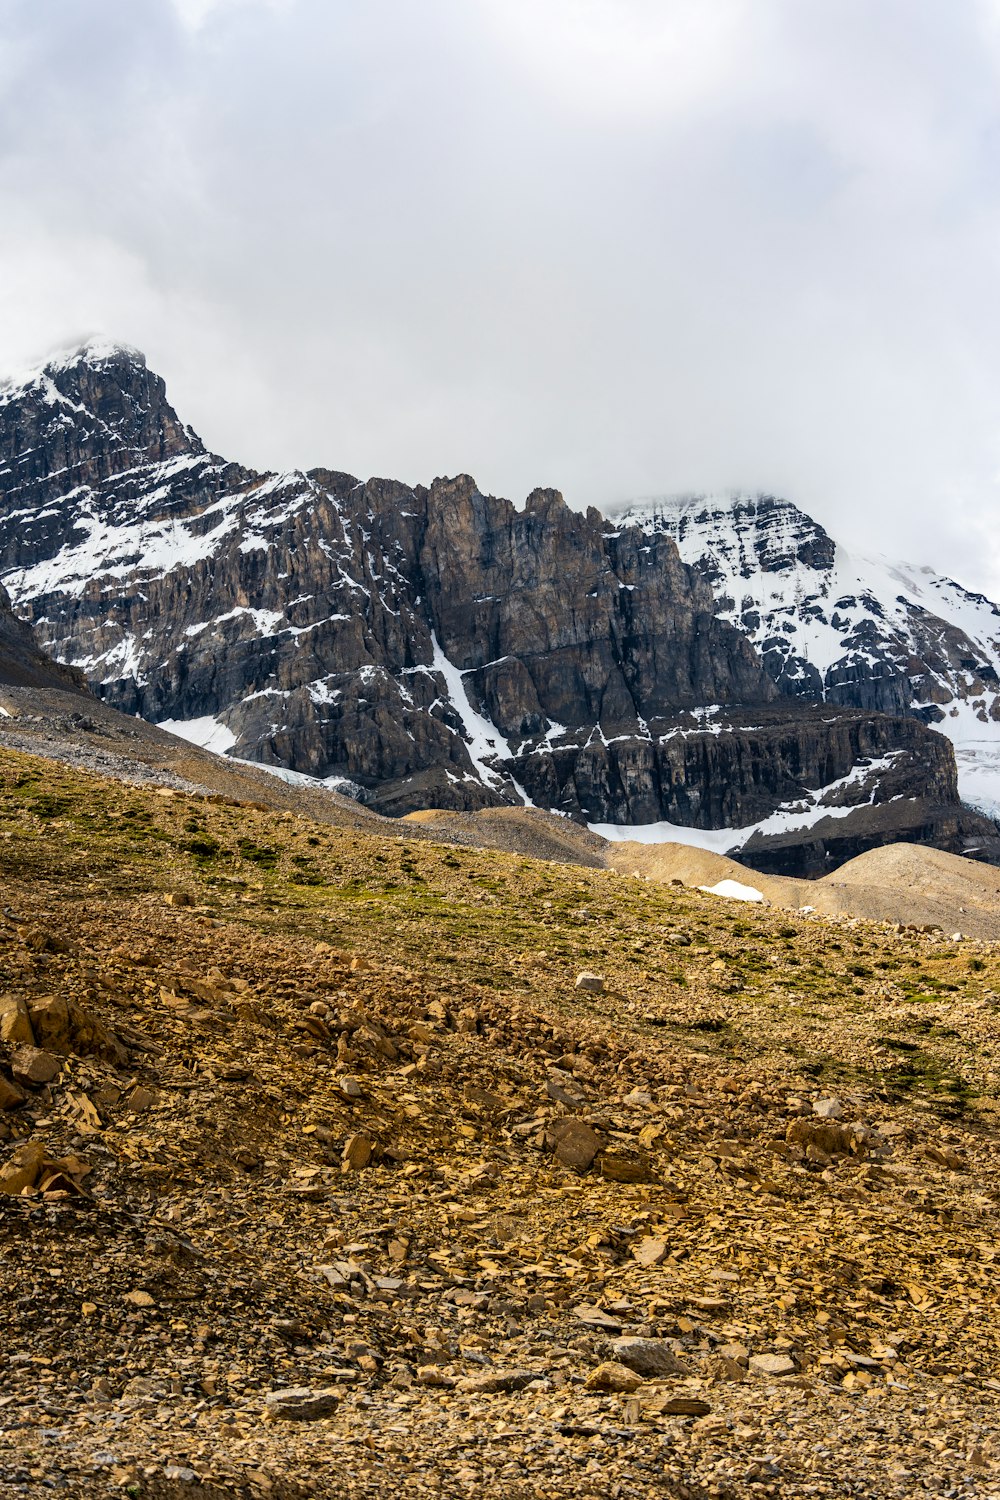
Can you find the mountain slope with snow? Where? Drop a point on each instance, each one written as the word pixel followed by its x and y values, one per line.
pixel 431 645
pixel 844 628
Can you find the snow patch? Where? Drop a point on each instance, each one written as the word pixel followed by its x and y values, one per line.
pixel 483 739
pixel 733 890
pixel 265 621
pixel 109 551
pixel 207 732
pixel 339 784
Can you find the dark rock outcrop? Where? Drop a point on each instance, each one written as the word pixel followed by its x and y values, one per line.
pixel 432 645
pixel 23 664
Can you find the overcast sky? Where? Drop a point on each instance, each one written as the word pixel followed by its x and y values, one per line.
pixel 621 247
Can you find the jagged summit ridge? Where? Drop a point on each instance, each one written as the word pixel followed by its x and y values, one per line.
pixel 431 644
pixel 842 627
pixel 89 353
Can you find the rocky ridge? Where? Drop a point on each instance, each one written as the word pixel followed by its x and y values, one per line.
pixel 425 646
pixel 838 627
pixel 23 664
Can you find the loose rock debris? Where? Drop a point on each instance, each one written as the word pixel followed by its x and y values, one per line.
pixel 341 1186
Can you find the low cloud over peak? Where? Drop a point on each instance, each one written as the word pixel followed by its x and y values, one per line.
pixel 618 248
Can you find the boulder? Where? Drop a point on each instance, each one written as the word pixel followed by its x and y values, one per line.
pixel 574 1143
pixel 63 1026
pixel 15 1021
pixel 650 1358
pixel 23 1167
pixel 612 1376
pixel 302 1403
pixel 34 1067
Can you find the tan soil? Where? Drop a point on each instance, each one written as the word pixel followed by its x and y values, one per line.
pixel 904 883
pixel 516 830
pixel 796 1126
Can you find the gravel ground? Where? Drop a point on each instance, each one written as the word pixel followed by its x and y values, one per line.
pixel 327 1169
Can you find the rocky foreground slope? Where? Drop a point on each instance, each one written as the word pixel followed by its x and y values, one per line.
pixel 325 1174
pixel 426 646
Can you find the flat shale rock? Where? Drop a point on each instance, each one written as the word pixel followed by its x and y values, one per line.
pixel 493 1381
pixel 302 1404
pixel 597 1318
pixel 772 1364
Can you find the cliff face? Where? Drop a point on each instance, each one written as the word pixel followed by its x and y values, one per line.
pixel 858 631
pixel 432 646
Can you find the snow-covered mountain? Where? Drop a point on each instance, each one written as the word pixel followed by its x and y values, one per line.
pixel 846 628
pixel 432 645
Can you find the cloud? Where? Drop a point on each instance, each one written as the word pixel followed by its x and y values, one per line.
pixel 619 246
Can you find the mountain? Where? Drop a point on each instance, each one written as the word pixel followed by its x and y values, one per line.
pixel 23 664
pixel 429 645
pixel 837 627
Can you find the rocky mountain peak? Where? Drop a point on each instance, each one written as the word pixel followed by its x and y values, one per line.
pixel 545 502
pixel 738 536
pixel 84 416
pixel 838 626
pixel 433 646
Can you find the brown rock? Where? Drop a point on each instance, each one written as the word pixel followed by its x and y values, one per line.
pixel 83 1111
pixel 23 1167
pixel 713 1306
pixel 33 1067
pixel 564 1089
pixel 772 1364
pixel 621 1166
pixel 943 1156
pixel 722 1367
pixel 593 984
pixel 430 1375
pixel 496 1381
pixel 140 1099
pixel 682 1406
pixel 357 1153
pixel 611 1376
pixel 596 1317
pixel 39 940
pixel 650 1251
pixel 302 1403
pixel 574 1144
pixel 15 1022
pixel 651 1358
pixel 822 1135
pixel 11 1097
pixel 63 1026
